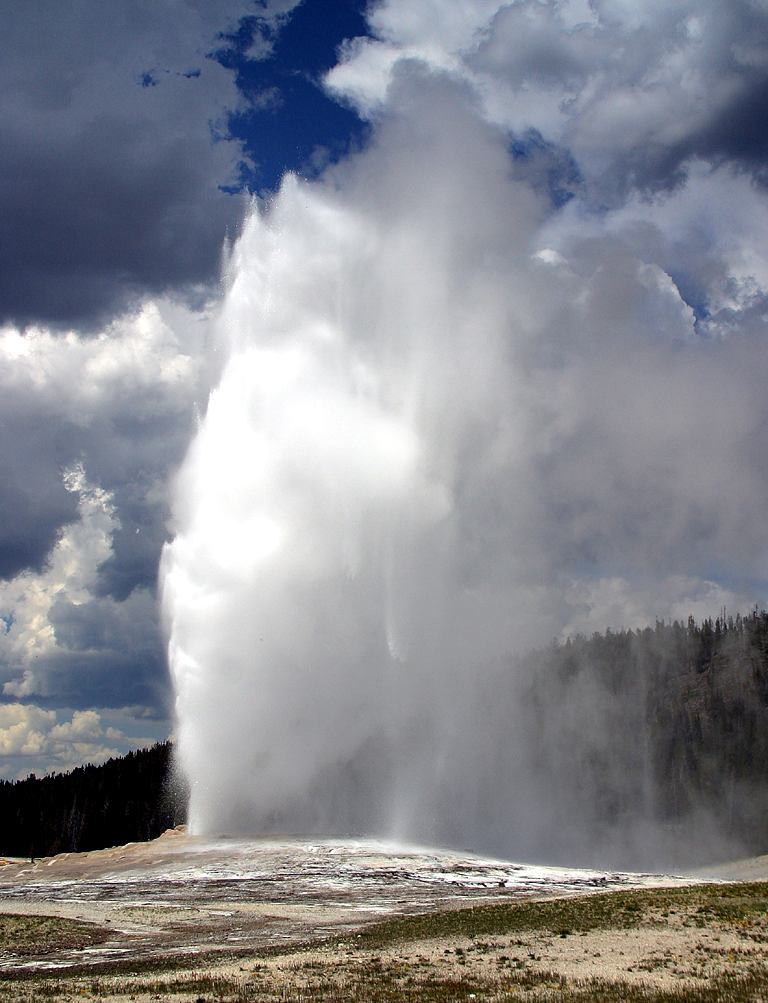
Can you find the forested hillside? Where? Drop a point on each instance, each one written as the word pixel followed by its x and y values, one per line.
pixel 124 800
pixel 656 740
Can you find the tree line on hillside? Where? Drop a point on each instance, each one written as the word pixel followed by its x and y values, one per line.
pixel 658 736
pixel 127 799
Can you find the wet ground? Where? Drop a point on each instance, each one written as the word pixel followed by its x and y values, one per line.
pixel 180 894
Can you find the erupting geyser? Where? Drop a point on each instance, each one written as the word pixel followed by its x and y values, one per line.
pixel 452 420
pixel 344 548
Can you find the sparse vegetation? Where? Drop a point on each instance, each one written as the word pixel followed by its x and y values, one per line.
pixel 36 936
pixel 495 952
pixel 736 904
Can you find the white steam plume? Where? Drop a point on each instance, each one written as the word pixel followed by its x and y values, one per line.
pixel 436 440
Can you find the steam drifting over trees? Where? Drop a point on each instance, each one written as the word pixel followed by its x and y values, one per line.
pixel 634 748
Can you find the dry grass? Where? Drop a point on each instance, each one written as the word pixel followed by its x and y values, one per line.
pixel 39 936
pixel 703 944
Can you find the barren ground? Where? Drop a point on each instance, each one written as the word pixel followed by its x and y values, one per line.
pixel 293 919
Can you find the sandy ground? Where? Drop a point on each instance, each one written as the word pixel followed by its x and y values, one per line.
pixel 666 957
pixel 220 903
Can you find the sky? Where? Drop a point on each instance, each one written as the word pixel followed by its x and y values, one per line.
pixel 625 246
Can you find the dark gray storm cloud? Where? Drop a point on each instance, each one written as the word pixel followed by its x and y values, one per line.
pixel 33 500
pixel 113 152
pixel 108 655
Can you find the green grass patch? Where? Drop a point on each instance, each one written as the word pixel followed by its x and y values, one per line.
pixel 732 905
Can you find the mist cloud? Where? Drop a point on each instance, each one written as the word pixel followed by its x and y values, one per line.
pixel 461 412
